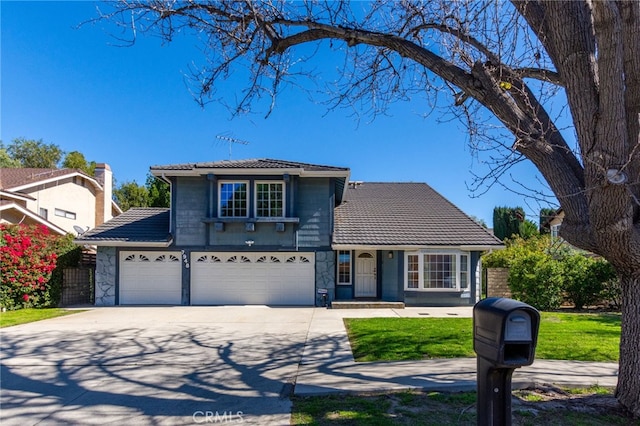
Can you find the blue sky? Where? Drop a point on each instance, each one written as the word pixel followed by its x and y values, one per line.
pixel 130 107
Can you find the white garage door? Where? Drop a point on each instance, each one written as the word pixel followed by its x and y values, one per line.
pixel 150 278
pixel 252 278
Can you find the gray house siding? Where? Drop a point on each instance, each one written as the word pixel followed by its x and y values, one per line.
pixel 197 225
pixel 392 276
pixel 191 207
pixel 313 204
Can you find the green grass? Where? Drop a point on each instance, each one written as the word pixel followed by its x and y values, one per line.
pixel 440 408
pixel 23 316
pixel 569 336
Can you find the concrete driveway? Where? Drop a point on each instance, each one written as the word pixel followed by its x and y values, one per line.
pixel 154 365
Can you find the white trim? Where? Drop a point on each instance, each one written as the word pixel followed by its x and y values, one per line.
pixel 358 258
pixel 420 254
pixel 415 247
pixel 118 243
pixel 15 195
pixel 33 216
pixel 255 199
pixel 56 178
pixel 196 171
pixel 248 185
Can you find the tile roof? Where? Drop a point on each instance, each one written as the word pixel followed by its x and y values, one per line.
pixel 261 163
pixel 15 177
pixel 145 224
pixel 404 214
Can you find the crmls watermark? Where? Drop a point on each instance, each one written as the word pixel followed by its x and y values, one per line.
pixel 201 417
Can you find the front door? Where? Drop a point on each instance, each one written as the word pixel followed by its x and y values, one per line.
pixel 365 275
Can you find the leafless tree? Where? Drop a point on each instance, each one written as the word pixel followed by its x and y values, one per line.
pixel 514 64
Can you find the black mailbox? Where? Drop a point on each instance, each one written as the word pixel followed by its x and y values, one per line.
pixel 505 331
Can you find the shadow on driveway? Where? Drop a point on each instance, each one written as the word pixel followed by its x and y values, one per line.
pixel 181 374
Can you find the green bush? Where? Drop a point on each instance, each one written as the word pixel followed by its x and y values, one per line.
pixel 536 278
pixel 589 280
pixel 542 274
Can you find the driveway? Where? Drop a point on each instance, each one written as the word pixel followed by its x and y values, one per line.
pixel 154 365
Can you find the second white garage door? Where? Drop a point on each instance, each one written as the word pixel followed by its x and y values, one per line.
pixel 252 278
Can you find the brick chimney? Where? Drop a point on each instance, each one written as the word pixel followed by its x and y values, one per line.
pixel 104 176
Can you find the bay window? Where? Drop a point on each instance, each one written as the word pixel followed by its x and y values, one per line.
pixel 426 271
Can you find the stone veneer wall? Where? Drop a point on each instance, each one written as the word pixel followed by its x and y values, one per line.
pixel 325 275
pixel 498 282
pixel 105 276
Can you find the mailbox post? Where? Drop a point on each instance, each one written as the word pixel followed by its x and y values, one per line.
pixel 505 333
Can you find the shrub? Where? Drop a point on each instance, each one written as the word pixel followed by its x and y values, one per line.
pixel 536 278
pixel 27 260
pixel 612 293
pixel 580 285
pixel 540 273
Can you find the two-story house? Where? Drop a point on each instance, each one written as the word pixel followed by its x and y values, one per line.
pixel 281 233
pixel 64 200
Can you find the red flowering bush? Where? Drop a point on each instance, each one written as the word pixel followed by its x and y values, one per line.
pixel 27 259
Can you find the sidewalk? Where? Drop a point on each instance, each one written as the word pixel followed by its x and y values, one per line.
pixel 327 364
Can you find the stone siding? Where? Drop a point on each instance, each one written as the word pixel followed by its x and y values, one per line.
pixel 325 275
pixel 105 276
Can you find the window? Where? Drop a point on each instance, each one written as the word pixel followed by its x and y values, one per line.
pixel 437 271
pixel 413 275
pixel 44 213
pixel 344 267
pixel 464 271
pixel 555 232
pixel 269 199
pixel 233 199
pixel 65 214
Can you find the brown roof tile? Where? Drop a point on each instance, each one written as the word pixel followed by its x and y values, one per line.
pixel 262 163
pixel 145 224
pixel 16 177
pixel 404 214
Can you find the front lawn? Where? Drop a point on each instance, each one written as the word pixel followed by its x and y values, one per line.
pixel 569 336
pixel 23 316
pixel 532 407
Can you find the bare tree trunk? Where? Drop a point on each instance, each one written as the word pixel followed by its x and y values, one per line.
pixel 628 391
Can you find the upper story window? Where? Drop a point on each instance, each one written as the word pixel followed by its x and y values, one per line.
pixel 269 199
pixel 65 214
pixel 555 231
pixel 437 271
pixel 233 199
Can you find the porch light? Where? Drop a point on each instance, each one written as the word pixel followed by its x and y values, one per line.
pixel 390 255
pixel 249 242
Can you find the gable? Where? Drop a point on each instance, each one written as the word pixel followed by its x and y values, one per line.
pixel 404 215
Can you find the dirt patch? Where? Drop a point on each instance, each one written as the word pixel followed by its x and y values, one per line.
pixel 550 398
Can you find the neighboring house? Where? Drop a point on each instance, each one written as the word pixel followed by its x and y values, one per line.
pixel 554 223
pixel 280 233
pixel 64 200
